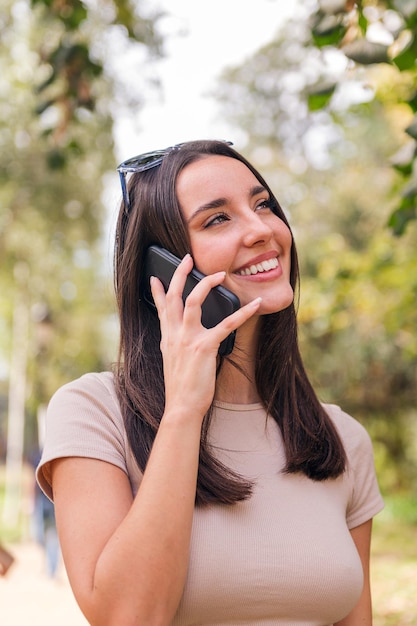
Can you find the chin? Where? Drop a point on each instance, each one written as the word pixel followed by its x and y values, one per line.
pixel 268 310
pixel 275 306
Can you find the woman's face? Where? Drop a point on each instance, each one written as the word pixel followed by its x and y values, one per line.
pixel 232 228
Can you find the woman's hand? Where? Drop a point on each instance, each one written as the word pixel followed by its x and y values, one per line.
pixel 189 349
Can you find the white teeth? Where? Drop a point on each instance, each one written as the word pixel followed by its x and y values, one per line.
pixel 260 267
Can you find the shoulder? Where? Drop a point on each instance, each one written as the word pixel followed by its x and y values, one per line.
pixel 92 393
pixel 84 419
pixel 364 496
pixel 351 431
pixel 88 385
pixel 87 404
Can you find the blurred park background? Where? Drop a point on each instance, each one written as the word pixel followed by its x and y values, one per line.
pixel 327 111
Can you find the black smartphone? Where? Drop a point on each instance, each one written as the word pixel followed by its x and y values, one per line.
pixel 219 303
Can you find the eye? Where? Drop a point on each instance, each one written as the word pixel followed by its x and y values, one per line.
pixel 216 219
pixel 266 203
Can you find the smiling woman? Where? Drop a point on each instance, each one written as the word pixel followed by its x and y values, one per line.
pixel 234 226
pixel 228 494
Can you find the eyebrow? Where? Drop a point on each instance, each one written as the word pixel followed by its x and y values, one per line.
pixel 220 202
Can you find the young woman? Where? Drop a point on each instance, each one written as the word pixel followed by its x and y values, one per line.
pixel 193 489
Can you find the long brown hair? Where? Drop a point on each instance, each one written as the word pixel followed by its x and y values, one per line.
pixel 311 441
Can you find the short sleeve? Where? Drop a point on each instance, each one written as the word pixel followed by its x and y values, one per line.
pixel 83 419
pixel 364 499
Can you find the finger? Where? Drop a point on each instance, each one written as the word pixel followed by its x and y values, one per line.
pixel 158 293
pixel 235 320
pixel 174 289
pixel 174 294
pixel 179 277
pixel 195 299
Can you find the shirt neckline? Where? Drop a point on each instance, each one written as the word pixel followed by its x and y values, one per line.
pixel 231 406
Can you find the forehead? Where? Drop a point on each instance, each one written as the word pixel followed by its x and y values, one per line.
pixel 214 174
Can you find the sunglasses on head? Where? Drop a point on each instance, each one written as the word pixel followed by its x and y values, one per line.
pixel 143 162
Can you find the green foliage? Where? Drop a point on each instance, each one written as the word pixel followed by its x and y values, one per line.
pixel 72 58
pixel 330 170
pixel 319 96
pixel 366 52
pixel 350 27
pixel 412 128
pixel 327 29
pixel 393 562
pixel 405 212
pixel 70 12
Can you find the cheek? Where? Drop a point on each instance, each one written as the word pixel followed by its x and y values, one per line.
pixel 212 257
pixel 284 237
pixel 283 233
pixel 210 264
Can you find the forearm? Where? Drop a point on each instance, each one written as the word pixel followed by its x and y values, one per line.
pixel 136 569
pixel 145 563
pixel 361 615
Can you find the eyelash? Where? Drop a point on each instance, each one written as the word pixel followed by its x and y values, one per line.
pixel 213 221
pixel 264 204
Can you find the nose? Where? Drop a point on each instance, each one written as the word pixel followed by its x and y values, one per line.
pixel 257 231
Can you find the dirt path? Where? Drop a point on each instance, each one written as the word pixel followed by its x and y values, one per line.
pixel 29 598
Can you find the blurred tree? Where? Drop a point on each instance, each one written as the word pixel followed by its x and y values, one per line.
pixel 59 87
pixel 358 294
pixel 75 60
pixel 335 54
pixel 375 33
pixel 330 169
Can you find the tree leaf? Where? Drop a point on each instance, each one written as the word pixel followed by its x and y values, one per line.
pixel 327 29
pixel 362 22
pixel 408 9
pixel 366 52
pixel 319 97
pixel 56 159
pixel 412 102
pixel 335 6
pixel 69 12
pixel 412 128
pixel 403 159
pixel 405 59
pixel 405 212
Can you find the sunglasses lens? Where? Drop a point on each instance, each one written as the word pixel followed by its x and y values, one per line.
pixel 142 162
pixel 146 161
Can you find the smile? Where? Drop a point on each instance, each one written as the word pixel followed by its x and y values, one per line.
pixel 265 266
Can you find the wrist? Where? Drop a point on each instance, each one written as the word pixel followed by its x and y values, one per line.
pixel 180 416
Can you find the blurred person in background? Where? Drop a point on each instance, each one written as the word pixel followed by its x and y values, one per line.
pixel 6 560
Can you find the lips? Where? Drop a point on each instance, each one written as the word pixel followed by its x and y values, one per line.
pixel 257 268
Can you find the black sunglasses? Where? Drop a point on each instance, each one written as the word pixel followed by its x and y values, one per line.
pixel 143 162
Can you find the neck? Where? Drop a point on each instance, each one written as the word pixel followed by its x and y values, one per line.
pixel 233 387
pixel 237 384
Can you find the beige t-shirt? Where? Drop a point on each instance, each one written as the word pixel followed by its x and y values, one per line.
pixel 283 557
